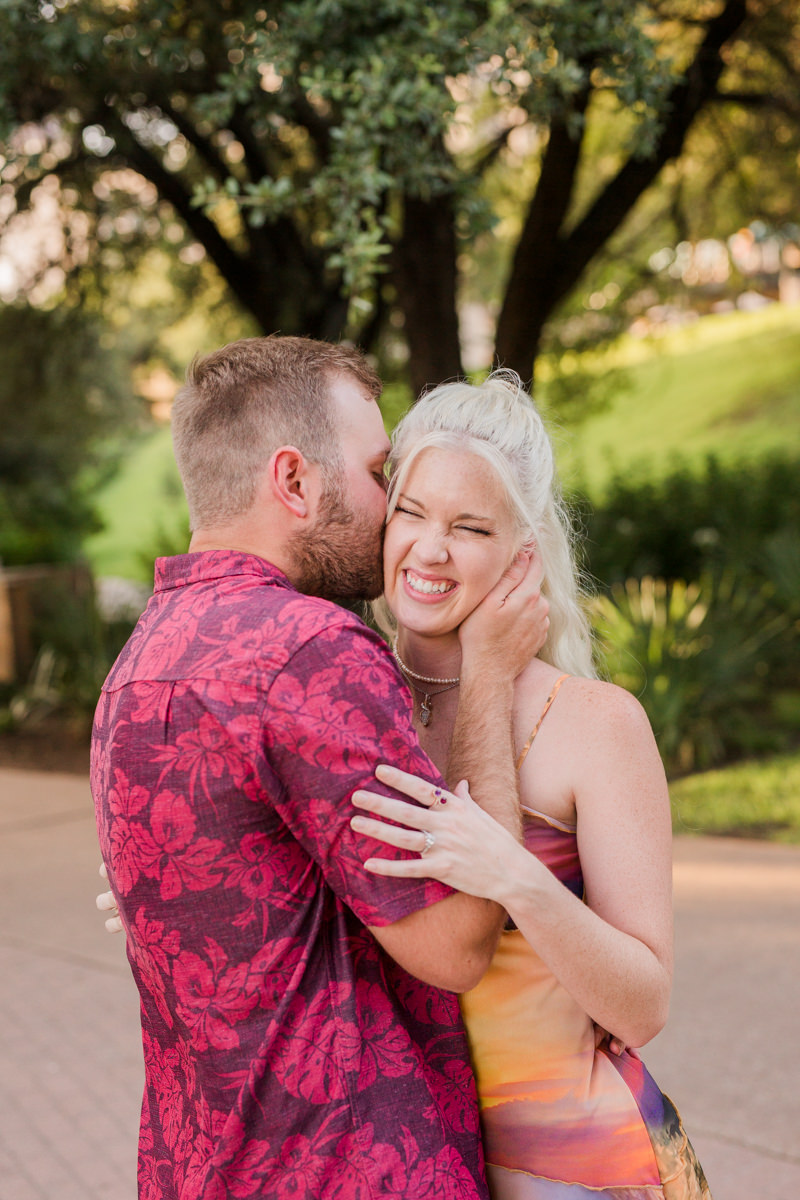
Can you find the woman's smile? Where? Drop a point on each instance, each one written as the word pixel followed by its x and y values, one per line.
pixel 428 588
pixel 449 539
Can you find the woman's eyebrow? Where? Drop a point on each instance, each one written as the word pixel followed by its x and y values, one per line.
pixel 410 499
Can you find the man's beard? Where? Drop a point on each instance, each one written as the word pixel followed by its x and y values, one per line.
pixel 341 556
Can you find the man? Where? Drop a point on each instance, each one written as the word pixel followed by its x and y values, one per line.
pixel 296 1040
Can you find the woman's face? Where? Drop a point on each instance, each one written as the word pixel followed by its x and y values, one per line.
pixel 447 542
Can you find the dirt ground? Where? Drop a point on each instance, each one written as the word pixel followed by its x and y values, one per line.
pixel 51 746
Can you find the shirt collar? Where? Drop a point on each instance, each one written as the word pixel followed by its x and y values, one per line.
pixel 205 565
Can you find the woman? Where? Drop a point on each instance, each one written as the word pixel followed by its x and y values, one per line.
pixel 588 889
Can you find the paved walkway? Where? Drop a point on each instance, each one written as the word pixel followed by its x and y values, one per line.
pixel 70 1059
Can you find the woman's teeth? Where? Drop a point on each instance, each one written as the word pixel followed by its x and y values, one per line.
pixel 427 586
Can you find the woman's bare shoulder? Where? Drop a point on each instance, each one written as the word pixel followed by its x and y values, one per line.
pixel 583 706
pixel 605 707
pixel 600 694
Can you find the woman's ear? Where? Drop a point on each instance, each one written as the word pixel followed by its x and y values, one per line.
pixel 527 547
pixel 290 478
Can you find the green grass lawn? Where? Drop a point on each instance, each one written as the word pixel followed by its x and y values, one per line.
pixel 750 799
pixel 141 507
pixel 728 385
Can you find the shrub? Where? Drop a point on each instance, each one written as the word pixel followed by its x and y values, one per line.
pixel 696 656
pixel 690 523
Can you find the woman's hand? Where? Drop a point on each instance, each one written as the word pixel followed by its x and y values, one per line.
pixel 106 903
pixel 457 842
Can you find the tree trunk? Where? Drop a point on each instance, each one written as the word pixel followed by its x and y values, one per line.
pixel 424 274
pixel 529 294
pixel 549 261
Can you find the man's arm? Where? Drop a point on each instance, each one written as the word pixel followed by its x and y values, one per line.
pixel 450 944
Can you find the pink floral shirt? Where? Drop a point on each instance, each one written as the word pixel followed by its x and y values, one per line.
pixel 286 1056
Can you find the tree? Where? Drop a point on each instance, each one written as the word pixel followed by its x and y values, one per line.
pixel 62 405
pixel 332 156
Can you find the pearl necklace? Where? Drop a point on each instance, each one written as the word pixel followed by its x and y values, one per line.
pixel 426 703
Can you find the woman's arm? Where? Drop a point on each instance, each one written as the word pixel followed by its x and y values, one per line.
pixel 614 953
pixel 619 965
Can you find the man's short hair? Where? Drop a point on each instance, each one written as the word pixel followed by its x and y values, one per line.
pixel 240 403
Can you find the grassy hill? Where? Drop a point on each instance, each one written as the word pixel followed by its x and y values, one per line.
pixel 728 385
pixel 141 508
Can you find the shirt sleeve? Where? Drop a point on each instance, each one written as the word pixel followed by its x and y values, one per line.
pixel 337 710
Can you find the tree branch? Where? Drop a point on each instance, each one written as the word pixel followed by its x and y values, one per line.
pixel 758 101
pixel 203 145
pixel 685 101
pixel 318 128
pixel 530 285
pixel 549 261
pixel 256 161
pixel 233 267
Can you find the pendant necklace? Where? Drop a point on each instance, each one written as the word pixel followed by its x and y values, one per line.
pixel 426 703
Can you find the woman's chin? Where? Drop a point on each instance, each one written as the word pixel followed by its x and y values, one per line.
pixel 427 624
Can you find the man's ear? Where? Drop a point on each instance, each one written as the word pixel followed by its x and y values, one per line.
pixel 291 479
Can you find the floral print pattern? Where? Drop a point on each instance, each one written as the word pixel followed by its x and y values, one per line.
pixel 285 1055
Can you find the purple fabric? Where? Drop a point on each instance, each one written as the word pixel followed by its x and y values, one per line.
pixel 285 1054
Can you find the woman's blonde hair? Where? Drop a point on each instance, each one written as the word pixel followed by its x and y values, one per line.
pixel 498 420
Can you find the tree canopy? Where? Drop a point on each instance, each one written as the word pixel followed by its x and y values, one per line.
pixel 341 164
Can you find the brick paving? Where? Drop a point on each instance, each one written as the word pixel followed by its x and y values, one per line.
pixel 70 1057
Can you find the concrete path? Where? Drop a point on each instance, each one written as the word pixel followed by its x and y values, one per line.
pixel 70 1058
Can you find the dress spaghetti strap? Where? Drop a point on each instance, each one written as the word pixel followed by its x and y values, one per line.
pixel 538 724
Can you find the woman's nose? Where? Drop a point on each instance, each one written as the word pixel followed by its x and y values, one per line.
pixel 431 547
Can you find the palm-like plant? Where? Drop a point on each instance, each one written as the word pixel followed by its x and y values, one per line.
pixel 694 654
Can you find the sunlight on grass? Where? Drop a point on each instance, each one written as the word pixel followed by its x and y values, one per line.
pixel 142 500
pixel 695 394
pixel 751 799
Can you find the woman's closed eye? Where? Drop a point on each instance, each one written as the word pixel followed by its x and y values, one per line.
pixel 410 512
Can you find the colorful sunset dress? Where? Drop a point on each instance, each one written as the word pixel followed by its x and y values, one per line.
pixel 562 1120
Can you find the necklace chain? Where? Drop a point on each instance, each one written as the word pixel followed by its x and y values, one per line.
pixel 422 678
pixel 426 702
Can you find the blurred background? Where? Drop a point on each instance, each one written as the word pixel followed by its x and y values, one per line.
pixel 604 196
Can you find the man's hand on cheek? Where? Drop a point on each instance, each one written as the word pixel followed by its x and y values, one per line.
pixel 509 626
